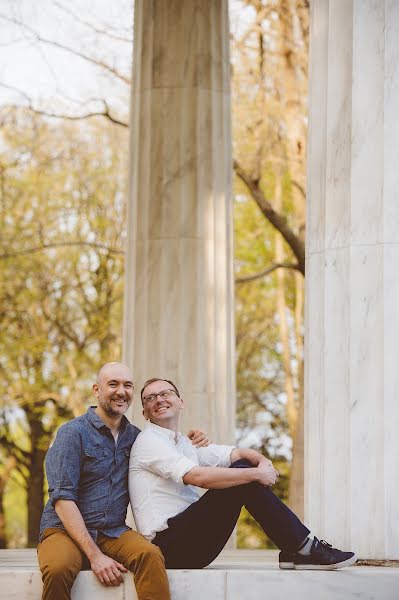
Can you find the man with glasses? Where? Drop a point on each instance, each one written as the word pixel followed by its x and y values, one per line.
pixel 190 530
pixel 83 523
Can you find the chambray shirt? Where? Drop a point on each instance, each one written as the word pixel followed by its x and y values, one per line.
pixel 85 465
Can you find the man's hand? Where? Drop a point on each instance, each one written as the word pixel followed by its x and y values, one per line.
pixel 266 461
pixel 108 571
pixel 198 438
pixel 267 473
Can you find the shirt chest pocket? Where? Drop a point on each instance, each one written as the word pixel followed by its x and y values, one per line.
pixel 97 461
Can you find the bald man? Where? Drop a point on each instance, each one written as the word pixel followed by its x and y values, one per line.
pixel 83 523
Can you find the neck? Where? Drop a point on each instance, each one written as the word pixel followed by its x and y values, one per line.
pixel 171 424
pixel 113 422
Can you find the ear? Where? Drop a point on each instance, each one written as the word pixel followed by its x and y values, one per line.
pixel 96 389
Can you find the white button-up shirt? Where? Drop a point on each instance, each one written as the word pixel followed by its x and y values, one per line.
pixel 158 462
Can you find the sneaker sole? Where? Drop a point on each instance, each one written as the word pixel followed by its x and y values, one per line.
pixel 288 566
pixel 345 563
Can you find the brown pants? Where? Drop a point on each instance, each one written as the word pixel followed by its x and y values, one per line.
pixel 60 561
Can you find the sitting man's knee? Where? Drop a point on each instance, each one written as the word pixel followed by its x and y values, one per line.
pixel 59 571
pixel 153 553
pixel 243 463
pixel 148 554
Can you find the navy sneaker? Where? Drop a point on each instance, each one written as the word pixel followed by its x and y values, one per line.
pixel 323 557
pixel 286 560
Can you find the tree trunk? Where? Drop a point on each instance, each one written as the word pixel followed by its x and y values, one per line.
pixel 3 537
pixel 9 464
pixel 296 486
pixel 35 489
pixel 294 84
pixel 294 409
pixel 35 484
pixel 283 325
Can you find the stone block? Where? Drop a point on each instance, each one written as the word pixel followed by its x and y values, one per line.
pixel 369 583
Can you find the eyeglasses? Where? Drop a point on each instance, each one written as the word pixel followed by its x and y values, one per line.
pixel 165 394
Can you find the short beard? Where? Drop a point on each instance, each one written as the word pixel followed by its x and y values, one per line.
pixel 111 412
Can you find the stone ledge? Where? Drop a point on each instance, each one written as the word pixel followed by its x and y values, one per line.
pixel 24 584
pixel 235 575
pixel 371 583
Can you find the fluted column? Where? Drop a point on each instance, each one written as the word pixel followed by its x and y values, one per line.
pixel 352 316
pixel 179 291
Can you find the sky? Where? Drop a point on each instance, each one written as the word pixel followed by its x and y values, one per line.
pixel 57 80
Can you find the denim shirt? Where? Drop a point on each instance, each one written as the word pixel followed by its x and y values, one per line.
pixel 85 465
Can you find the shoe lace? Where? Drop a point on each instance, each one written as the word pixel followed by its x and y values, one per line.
pixel 325 546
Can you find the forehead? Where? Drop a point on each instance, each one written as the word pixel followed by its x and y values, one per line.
pixel 116 373
pixel 157 386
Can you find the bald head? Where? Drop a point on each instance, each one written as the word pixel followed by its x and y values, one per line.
pixel 113 368
pixel 114 390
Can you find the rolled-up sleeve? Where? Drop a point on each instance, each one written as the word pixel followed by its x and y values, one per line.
pixel 215 455
pixel 63 465
pixel 152 453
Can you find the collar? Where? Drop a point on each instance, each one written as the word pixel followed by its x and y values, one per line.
pixel 99 423
pixel 168 433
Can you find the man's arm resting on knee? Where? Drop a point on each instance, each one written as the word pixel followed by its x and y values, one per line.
pixel 107 570
pixel 222 477
pixel 252 456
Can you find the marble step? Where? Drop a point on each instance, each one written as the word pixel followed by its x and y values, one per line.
pixel 257 578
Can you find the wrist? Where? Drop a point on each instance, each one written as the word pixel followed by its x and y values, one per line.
pixel 253 474
pixel 93 552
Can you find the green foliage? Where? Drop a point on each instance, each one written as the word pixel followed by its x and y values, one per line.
pixel 261 420
pixel 249 533
pixel 269 113
pixel 63 222
pixel 15 507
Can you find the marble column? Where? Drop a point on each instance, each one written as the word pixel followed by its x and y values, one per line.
pixel 178 320
pixel 352 316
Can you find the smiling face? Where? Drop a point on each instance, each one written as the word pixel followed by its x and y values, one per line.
pixel 113 390
pixel 161 404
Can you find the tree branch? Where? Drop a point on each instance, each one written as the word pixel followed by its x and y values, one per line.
pixel 247 278
pixel 97 30
pixel 44 40
pixel 106 112
pixel 23 472
pixel 299 187
pixel 12 447
pixel 277 220
pixel 35 249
